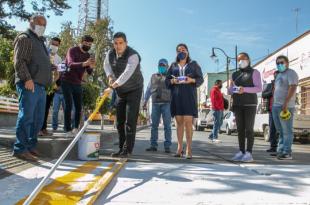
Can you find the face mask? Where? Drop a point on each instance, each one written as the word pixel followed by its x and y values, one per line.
pixel 53 49
pixel 39 30
pixel 220 87
pixel 281 68
pixel 243 64
pixel 181 56
pixel 162 69
pixel 85 48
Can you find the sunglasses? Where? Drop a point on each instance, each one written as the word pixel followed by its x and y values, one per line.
pixel 280 63
pixel 161 64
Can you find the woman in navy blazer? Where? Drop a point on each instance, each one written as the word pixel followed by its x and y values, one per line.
pixel 183 78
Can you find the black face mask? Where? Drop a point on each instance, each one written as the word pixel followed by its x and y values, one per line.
pixel 85 48
pixel 220 87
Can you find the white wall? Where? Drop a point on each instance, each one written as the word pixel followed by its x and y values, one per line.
pixel 202 90
pixel 299 57
pixel 298 54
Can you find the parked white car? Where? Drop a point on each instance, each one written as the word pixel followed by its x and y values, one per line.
pixel 301 126
pixel 229 123
pixel 201 122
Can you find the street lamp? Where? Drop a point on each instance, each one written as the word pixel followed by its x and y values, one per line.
pixel 214 56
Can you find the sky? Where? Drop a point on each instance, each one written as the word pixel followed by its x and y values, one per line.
pixel 155 27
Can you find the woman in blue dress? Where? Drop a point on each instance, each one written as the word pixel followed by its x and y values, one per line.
pixel 183 78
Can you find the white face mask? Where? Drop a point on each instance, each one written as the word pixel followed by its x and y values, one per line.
pixel 54 49
pixel 39 30
pixel 243 64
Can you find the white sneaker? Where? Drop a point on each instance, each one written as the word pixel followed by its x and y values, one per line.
pixel 69 134
pixel 238 157
pixel 75 131
pixel 216 141
pixel 247 157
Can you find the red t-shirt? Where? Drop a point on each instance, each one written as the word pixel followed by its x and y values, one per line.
pixel 217 100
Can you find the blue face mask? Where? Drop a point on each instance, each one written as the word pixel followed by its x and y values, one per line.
pixel 162 69
pixel 281 68
pixel 181 56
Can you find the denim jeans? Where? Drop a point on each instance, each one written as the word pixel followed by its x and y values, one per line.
pixel 285 129
pixel 30 117
pixel 273 136
pixel 218 121
pixel 161 109
pixel 57 101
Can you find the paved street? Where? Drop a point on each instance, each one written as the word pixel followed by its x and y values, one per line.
pixel 209 178
pixel 205 152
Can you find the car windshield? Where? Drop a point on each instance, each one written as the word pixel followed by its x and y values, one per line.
pixel 204 113
pixel 228 115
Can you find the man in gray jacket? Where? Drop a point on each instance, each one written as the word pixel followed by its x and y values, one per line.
pixel 161 98
pixel 32 75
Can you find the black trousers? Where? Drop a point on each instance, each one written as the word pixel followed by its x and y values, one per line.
pixel 49 100
pixel 72 92
pixel 127 111
pixel 245 118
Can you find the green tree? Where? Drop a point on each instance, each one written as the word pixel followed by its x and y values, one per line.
pixel 6 61
pixel 90 94
pixel 67 39
pixel 102 33
pixel 16 8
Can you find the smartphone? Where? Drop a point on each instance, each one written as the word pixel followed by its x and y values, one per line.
pixel 92 56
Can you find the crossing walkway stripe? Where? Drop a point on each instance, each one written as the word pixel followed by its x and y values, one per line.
pixel 104 181
pixel 59 191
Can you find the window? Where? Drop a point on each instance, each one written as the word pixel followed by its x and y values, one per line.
pixel 227 116
pixel 305 98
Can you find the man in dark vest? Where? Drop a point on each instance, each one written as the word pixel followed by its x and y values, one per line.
pixel 33 71
pixel 161 97
pixel 122 67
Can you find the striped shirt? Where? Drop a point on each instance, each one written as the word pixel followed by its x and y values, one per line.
pixel 22 57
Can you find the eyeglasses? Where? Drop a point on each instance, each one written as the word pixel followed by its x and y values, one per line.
pixel 280 62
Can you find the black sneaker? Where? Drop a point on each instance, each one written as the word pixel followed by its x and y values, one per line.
pixel 274 154
pixel 124 154
pixel 167 150
pixel 151 149
pixel 116 154
pixel 284 156
pixel 272 149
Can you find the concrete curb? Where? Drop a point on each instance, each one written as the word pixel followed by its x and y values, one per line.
pixel 53 146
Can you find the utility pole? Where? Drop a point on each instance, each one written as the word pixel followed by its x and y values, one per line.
pixel 296 10
pixel 90 11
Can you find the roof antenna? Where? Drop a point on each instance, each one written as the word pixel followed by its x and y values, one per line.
pixel 296 10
